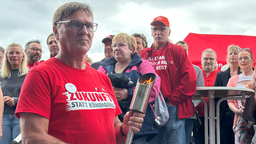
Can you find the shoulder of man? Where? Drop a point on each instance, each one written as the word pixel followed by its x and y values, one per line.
pixel 144 53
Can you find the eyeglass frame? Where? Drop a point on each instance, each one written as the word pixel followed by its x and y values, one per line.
pixel 36 49
pixel 121 46
pixel 241 49
pixel 206 59
pixel 163 29
pixel 69 21
pixel 246 49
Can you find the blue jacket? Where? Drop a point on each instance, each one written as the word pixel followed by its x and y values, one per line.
pixel 134 70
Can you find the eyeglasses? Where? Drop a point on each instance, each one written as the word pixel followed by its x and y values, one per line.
pixel 36 49
pixel 244 58
pixel 160 29
pixel 248 49
pixel 120 45
pixel 78 25
pixel 105 45
pixel 206 59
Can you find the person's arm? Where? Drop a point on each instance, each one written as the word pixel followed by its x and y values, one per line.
pixel 233 108
pixel 134 120
pixel 232 103
pixel 200 78
pixel 186 87
pixel 1 112
pixel 34 129
pixel 9 101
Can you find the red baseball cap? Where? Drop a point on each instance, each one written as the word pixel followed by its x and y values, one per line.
pixel 162 19
pixel 109 37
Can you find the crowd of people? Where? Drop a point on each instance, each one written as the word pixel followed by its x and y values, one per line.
pixel 69 99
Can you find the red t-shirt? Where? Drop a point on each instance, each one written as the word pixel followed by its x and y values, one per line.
pixel 80 104
pixel 208 82
pixel 30 65
pixel 157 59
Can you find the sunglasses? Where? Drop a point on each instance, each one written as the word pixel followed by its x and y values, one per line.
pixel 248 49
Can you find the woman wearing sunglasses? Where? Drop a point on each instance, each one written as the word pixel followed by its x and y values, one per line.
pixel 245 60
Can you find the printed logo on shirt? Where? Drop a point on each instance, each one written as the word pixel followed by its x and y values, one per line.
pixel 88 100
pixel 158 63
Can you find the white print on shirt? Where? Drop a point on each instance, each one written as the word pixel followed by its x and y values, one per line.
pixel 70 87
pixel 88 100
pixel 159 64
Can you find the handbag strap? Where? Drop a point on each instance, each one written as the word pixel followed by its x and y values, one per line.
pixel 153 110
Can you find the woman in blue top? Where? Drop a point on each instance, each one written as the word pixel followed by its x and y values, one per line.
pixel 127 61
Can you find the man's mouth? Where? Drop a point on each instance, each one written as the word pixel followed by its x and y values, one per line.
pixel 52 48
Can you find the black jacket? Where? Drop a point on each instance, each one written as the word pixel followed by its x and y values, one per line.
pixel 222 80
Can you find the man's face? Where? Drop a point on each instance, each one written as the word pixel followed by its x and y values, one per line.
pixel 160 32
pixel 140 46
pixel 184 46
pixel 108 50
pixel 34 52
pixel 72 42
pixel 1 57
pixel 53 46
pixel 208 61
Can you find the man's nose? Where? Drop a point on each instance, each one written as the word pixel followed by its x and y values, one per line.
pixel 84 30
pixel 158 31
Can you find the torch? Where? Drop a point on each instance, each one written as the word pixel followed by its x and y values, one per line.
pixel 140 98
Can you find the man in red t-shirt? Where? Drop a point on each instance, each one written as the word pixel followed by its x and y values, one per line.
pixel 33 51
pixel 64 100
pixel 209 63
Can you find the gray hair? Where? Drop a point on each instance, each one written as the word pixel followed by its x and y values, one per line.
pixel 182 42
pixel 31 41
pixel 144 40
pixel 68 9
pixel 209 50
pixel 2 49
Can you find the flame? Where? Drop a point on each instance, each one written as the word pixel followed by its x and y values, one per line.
pixel 147 81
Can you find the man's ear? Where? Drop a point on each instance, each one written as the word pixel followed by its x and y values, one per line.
pixel 26 50
pixel 169 32
pixel 55 32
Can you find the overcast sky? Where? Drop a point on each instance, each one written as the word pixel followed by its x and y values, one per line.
pixel 23 20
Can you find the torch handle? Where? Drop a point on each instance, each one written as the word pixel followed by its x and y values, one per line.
pixel 129 136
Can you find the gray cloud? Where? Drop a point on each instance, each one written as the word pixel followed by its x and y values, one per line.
pixel 23 20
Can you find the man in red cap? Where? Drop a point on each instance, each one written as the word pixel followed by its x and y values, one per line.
pixel 178 83
pixel 108 51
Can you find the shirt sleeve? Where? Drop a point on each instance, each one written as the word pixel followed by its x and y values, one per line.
pixel 35 96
